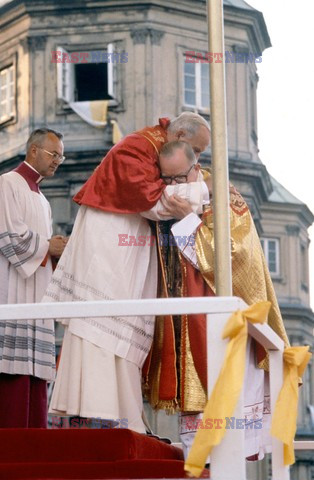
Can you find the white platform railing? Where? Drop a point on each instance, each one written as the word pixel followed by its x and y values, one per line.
pixel 228 458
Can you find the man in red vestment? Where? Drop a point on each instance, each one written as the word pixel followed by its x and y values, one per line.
pixel 101 360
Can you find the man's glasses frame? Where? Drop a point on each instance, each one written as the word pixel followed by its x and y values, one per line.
pixel 56 156
pixel 177 178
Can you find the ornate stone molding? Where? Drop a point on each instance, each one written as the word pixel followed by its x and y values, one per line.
pixel 139 36
pixel 156 36
pixel 37 43
pixel 293 230
pixel 33 43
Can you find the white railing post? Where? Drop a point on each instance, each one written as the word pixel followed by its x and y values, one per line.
pixel 279 470
pixel 227 460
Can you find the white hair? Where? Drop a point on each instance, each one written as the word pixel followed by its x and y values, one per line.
pixel 189 122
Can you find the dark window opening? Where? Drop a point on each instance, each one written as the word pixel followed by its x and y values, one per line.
pixel 91 82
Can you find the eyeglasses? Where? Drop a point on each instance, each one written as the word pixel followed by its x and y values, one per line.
pixel 177 178
pixel 56 156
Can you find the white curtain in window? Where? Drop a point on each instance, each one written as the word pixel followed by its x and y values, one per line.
pixel 93 112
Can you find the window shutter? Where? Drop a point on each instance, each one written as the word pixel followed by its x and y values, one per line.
pixel 112 71
pixel 65 77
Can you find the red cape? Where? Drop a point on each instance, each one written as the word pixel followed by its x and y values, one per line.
pixel 128 178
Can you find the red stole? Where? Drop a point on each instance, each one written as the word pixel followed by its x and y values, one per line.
pixel 197 287
pixel 128 178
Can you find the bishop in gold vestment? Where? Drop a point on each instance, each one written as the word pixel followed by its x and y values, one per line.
pixel 176 369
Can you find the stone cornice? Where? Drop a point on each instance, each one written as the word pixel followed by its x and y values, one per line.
pixel 291 311
pixel 299 209
pixel 251 19
pixel 256 172
pixel 254 22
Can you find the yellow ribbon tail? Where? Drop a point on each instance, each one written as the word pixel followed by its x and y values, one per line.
pixel 225 394
pixel 284 422
pixel 116 132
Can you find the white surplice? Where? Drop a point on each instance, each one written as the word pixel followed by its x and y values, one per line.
pixel 26 347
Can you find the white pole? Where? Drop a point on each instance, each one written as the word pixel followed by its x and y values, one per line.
pixel 218 116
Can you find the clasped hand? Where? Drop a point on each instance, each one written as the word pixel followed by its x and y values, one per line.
pixel 57 244
pixel 174 206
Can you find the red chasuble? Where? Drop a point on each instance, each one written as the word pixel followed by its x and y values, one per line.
pixel 128 178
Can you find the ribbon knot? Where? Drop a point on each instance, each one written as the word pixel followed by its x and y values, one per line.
pixel 256 313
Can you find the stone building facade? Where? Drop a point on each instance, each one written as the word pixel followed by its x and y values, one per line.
pixel 149 76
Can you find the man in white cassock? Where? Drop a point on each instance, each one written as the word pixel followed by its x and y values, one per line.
pixel 27 353
pixel 111 256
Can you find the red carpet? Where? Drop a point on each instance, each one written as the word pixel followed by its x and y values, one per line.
pixel 86 454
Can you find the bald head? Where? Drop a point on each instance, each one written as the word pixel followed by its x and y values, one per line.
pixel 178 163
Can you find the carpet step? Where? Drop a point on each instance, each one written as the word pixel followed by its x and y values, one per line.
pixel 86 454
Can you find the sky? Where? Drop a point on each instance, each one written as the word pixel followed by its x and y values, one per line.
pixel 285 100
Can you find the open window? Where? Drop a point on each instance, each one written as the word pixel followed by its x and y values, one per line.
pixel 81 82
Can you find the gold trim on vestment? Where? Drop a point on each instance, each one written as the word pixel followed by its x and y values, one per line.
pixel 194 399
pixel 150 142
pixel 251 279
pixel 192 395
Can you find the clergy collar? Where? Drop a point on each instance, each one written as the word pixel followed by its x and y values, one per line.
pixel 29 174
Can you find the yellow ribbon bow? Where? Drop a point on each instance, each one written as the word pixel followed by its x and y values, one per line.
pixel 284 423
pixel 222 403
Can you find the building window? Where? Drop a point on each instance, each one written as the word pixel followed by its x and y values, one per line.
pixel 196 84
pixel 80 82
pixel 85 86
pixel 7 94
pixel 271 251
